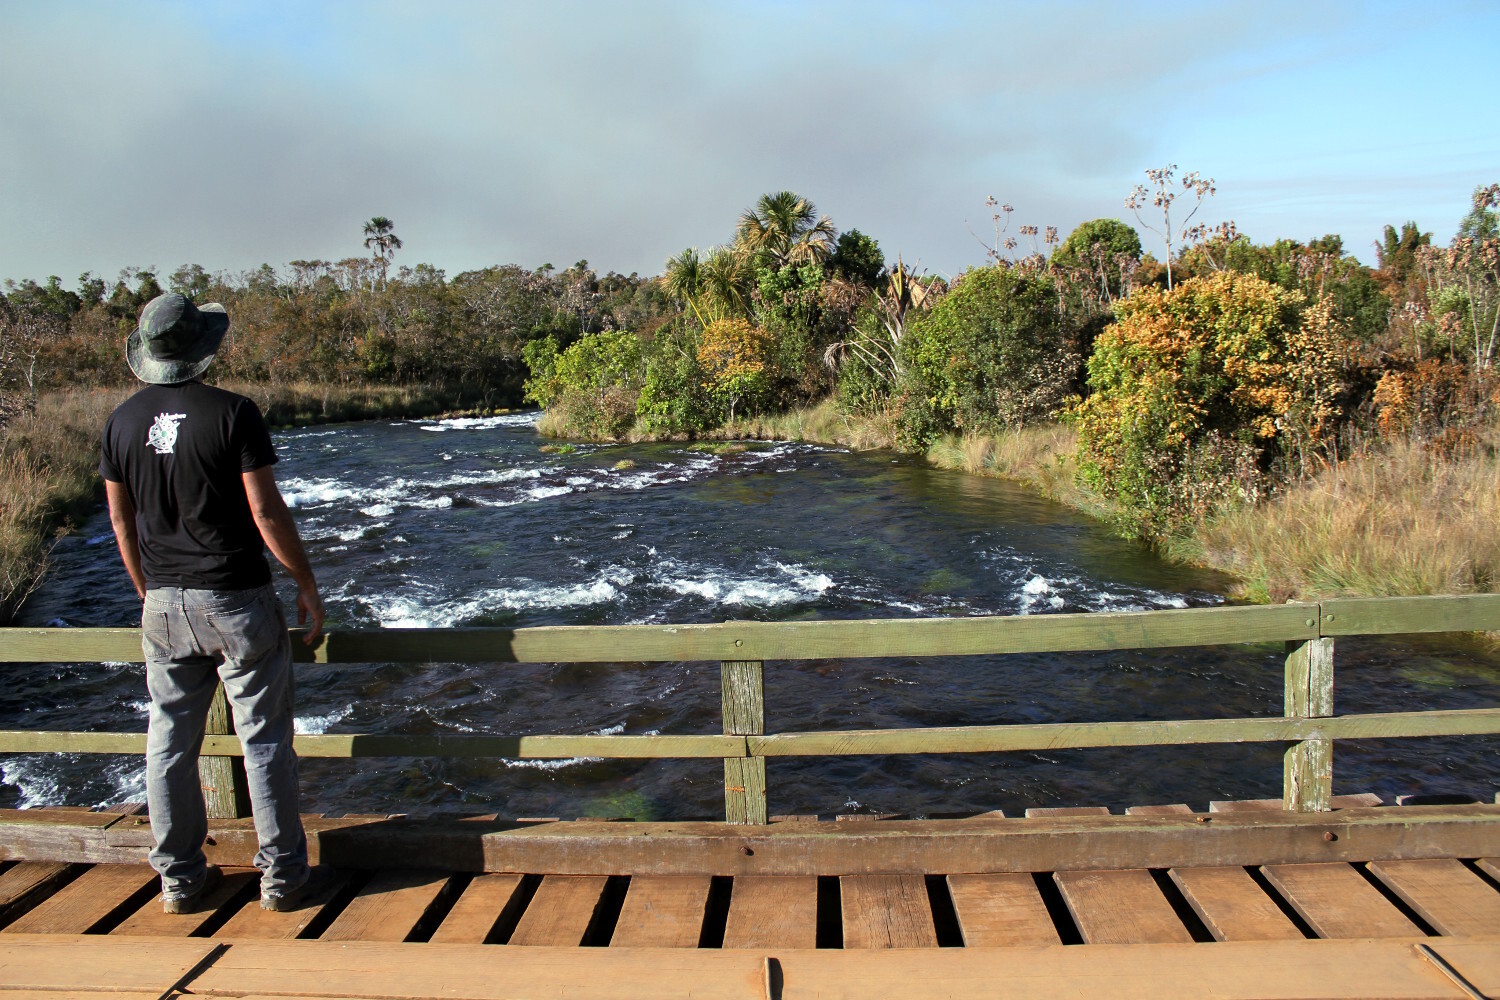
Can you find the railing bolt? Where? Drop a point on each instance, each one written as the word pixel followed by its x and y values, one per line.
pixel 1311 623
pixel 747 851
pixel 739 642
pixel 1330 836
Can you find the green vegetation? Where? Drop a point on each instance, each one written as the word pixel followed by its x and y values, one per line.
pixel 1277 409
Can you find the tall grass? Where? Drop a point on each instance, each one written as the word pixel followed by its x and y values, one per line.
pixel 49 457
pixel 1401 519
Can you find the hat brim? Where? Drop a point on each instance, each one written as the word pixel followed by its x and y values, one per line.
pixel 194 362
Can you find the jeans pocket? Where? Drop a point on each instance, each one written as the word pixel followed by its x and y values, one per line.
pixel 248 632
pixel 156 641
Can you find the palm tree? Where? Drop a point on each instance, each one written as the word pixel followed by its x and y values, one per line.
pixel 683 276
pixel 785 228
pixel 727 278
pixel 382 242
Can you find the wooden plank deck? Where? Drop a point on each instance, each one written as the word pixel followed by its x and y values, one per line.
pixel 1305 928
pixel 1330 901
pixel 56 967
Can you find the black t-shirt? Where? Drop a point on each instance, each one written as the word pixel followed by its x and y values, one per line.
pixel 180 450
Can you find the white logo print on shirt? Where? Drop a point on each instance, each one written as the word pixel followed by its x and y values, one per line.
pixel 163 434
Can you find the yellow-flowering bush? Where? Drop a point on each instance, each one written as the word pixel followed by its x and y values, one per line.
pixel 1194 390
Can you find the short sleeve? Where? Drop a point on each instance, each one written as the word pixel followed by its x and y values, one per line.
pixel 251 439
pixel 109 465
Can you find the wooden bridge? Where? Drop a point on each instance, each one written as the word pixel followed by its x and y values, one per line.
pixel 1308 896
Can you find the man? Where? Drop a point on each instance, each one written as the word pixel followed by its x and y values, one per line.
pixel 187 472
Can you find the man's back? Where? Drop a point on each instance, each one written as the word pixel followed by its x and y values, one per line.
pixel 180 451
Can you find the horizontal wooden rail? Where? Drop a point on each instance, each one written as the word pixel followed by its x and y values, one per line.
pixel 1080 735
pixel 1307 727
pixel 359 745
pixel 954 739
pixel 811 640
pixel 736 641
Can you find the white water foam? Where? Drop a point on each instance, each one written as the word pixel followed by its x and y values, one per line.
pixel 791 584
pixel 527 764
pixel 316 725
pixel 438 612
pixel 479 423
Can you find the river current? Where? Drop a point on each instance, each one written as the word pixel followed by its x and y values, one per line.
pixel 469 522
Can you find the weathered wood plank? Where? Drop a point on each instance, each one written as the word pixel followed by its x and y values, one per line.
pixel 1307 769
pixel 1337 902
pixel 359 745
pixel 1044 812
pixel 1491 866
pixel 886 911
pixel 1174 809
pixel 773 911
pixel 152 921
pixel 389 907
pixel 1452 899
pixel 1361 800
pixel 1397 615
pixel 1001 910
pixel 28 881
pixel 1285 970
pixel 485 900
pixel 91 898
pixel 419 971
pixel 58 816
pixel 740 640
pixel 226 789
pixel 662 911
pixel 47 962
pixel 948 739
pixel 744 709
pixel 251 923
pixel 1232 906
pixel 561 911
pixel 1477 960
pixel 1120 907
pixel 937 846
pixel 1060 736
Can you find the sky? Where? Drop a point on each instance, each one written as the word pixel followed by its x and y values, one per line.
pixel 160 133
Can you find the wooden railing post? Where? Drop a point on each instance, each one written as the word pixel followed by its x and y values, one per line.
pixel 226 790
pixel 743 687
pixel 1307 769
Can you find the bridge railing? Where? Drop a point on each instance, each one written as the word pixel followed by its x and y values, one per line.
pixel 1307 726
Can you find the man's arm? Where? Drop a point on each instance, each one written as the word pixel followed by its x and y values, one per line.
pixel 280 534
pixel 122 518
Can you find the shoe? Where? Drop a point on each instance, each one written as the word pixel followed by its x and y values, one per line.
pixel 191 901
pixel 321 881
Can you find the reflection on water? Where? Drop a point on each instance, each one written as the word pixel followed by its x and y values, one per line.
pixel 467 522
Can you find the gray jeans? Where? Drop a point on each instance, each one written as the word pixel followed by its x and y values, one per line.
pixel 192 639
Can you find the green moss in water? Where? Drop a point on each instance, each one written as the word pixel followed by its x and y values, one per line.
pixel 622 805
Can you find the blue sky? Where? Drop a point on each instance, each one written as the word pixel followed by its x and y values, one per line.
pixel 236 133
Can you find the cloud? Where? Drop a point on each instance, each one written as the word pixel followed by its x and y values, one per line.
pixel 230 135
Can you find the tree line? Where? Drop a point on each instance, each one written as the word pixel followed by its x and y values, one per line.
pixel 1202 377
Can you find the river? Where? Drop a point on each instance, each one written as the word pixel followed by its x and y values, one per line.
pixel 469 522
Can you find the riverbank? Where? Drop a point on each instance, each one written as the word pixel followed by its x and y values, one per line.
pixel 1395 520
pixel 48 457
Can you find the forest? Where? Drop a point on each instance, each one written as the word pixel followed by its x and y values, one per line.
pixel 1170 384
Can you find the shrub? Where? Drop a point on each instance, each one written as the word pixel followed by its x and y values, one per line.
pixel 592 387
pixel 991 353
pixel 674 398
pixel 1195 390
pixel 737 361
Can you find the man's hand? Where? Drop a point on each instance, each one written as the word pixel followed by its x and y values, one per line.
pixel 280 534
pixel 310 606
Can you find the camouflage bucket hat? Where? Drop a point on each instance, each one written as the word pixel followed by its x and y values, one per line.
pixel 176 340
